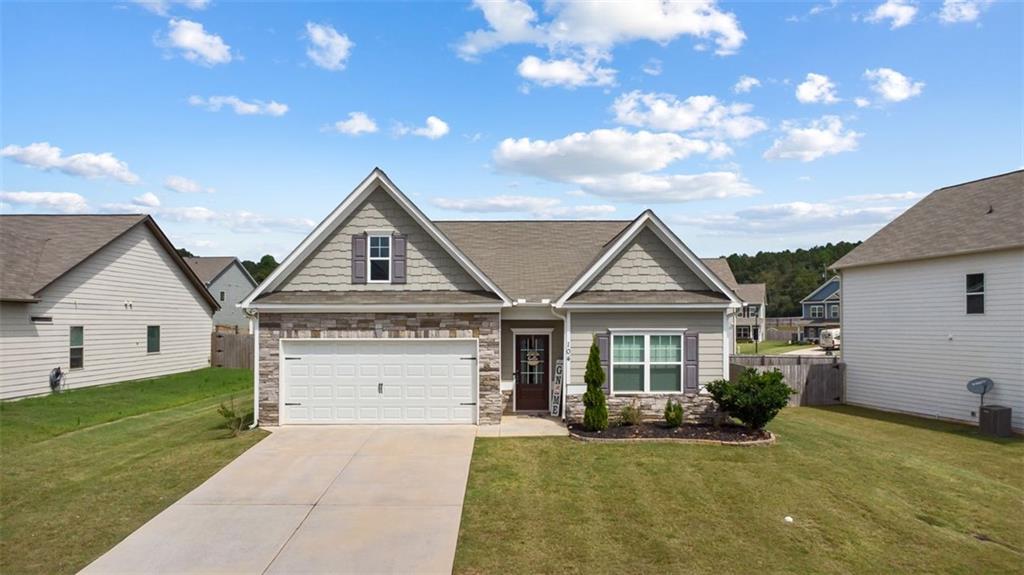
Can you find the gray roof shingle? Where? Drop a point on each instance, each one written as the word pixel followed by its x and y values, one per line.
pixel 648 297
pixel 977 216
pixel 209 267
pixel 379 297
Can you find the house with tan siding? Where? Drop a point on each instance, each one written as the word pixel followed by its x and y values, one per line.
pixel 104 298
pixel 935 299
pixel 228 282
pixel 382 315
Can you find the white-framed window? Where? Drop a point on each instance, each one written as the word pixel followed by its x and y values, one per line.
pixel 743 332
pixel 833 310
pixel 817 311
pixel 752 310
pixel 975 293
pixel 152 339
pixel 76 347
pixel 646 362
pixel 380 259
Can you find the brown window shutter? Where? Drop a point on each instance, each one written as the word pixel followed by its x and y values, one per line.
pixel 691 348
pixel 359 258
pixel 604 348
pixel 398 265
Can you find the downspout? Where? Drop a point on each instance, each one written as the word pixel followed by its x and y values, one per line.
pixel 255 371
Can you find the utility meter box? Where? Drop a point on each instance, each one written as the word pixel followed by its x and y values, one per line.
pixel 995 420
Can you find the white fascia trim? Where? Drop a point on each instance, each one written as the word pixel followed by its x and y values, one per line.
pixel 344 209
pixel 666 235
pixel 426 308
pixel 649 306
pixel 532 330
pixel 818 289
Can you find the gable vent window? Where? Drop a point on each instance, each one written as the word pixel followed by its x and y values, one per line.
pixel 380 259
pixel 975 293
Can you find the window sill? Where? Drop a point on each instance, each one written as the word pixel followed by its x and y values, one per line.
pixel 638 393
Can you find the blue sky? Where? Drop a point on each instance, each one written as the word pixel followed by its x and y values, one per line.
pixel 241 125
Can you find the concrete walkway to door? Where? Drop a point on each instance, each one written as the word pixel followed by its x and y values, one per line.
pixel 356 499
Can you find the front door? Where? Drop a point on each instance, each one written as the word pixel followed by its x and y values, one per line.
pixel 531 374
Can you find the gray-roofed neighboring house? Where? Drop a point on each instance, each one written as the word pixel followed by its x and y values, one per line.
pixel 106 298
pixel 935 299
pixel 749 322
pixel 228 282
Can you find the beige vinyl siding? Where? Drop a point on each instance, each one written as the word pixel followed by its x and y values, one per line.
pixel 585 325
pixel 429 266
pixel 135 267
pixel 909 345
pixel 647 264
pixel 235 285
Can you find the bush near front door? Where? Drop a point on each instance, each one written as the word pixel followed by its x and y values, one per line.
pixel 595 414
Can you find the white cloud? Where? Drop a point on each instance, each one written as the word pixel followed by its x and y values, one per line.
pixel 652 67
pixel 898 12
pixel 900 196
pixel 822 137
pixel 575 25
pixel 195 43
pixel 862 102
pixel 538 207
pixel 163 7
pixel 62 202
pixel 817 88
pixel 586 33
pixel 784 218
pixel 241 107
pixel 566 72
pixel 618 163
pixel 704 116
pixel 954 11
pixel 237 221
pixel 43 156
pixel 819 8
pixel 433 129
pixel 357 123
pixel 183 185
pixel 893 86
pixel 327 48
pixel 148 199
pixel 746 84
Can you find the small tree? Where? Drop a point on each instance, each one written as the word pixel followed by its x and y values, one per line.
pixel 754 398
pixel 673 413
pixel 595 414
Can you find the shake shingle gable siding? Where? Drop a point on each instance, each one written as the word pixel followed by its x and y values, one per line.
pixel 428 266
pixel 647 264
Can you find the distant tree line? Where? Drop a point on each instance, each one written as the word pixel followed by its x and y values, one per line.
pixel 790 275
pixel 258 270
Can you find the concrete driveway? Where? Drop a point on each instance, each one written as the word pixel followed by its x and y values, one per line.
pixel 339 499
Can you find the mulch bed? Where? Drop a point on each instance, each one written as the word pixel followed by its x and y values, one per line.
pixel 684 433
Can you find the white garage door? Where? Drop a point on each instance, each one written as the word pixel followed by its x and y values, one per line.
pixel 379 381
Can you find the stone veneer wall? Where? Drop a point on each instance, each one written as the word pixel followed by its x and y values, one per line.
pixel 697 408
pixel 274 327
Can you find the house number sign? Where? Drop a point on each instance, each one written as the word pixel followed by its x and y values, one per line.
pixel 556 389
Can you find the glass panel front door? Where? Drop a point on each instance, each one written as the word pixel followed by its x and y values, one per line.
pixel 532 373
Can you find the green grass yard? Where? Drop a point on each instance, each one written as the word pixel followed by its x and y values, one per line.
pixel 772 347
pixel 869 492
pixel 83 469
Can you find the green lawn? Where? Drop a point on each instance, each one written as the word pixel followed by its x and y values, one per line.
pixel 772 347
pixel 869 492
pixel 83 469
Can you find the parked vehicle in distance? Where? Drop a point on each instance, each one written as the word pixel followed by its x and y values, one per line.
pixel 829 339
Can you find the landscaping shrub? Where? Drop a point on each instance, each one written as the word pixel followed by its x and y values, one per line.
pixel 595 413
pixel 673 413
pixel 630 414
pixel 755 398
pixel 233 421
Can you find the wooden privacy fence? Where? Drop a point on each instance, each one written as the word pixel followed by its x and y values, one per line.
pixel 231 350
pixel 817 380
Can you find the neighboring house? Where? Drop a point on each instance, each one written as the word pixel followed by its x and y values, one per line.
pixel 229 283
pixel 382 315
pixel 749 321
pixel 935 299
pixel 821 309
pixel 104 297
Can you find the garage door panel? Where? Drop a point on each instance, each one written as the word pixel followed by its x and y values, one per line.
pixel 380 381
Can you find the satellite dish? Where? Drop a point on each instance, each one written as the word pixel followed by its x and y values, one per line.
pixel 980 386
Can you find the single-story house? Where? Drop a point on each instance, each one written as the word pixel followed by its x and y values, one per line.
pixel 383 315
pixel 103 297
pixel 821 309
pixel 935 299
pixel 229 282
